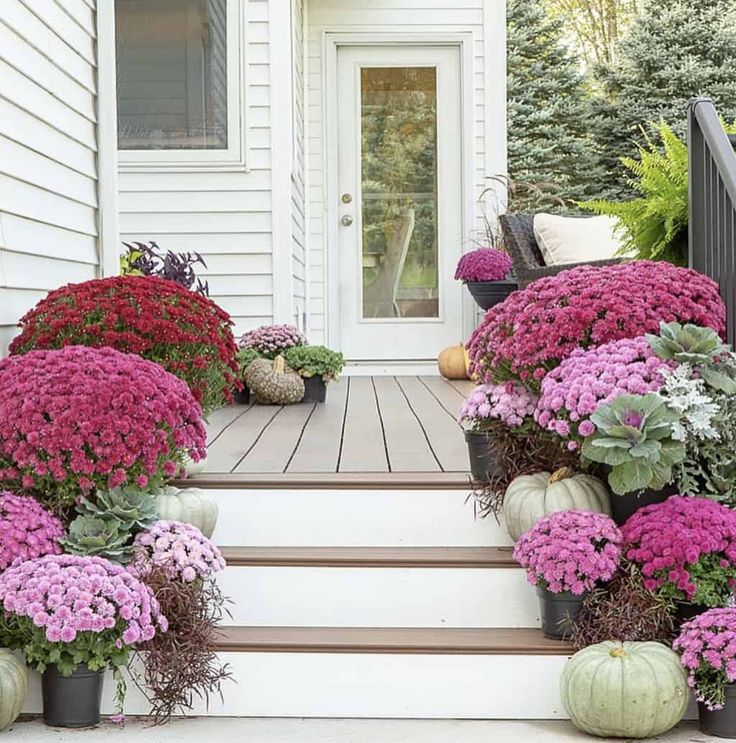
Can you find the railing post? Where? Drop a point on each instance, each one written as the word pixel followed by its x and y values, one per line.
pixel 696 188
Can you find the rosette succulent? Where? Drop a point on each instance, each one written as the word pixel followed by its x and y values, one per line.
pixel 90 535
pixel 133 508
pixel 634 436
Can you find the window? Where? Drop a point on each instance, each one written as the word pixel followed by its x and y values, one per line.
pixel 178 81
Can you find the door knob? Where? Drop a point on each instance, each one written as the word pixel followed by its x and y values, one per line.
pixel 347 220
pixel 346 198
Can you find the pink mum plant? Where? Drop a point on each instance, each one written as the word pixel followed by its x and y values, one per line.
pixel 510 403
pixel 534 329
pixel 80 419
pixel 686 549
pixel 570 551
pixel 27 530
pixel 707 648
pixel 485 264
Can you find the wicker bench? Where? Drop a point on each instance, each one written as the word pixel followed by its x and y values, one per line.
pixel 518 233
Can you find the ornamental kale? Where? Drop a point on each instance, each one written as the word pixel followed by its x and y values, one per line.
pixel 535 329
pixel 634 436
pixel 707 648
pixel 510 403
pixel 570 551
pixel 315 361
pixel 484 264
pixel 27 530
pixel 90 535
pixel 686 549
pixel 272 340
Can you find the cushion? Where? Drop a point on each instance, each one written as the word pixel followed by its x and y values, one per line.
pixel 576 239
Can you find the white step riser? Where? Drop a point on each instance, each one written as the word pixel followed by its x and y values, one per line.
pixel 380 597
pixel 352 518
pixel 347 685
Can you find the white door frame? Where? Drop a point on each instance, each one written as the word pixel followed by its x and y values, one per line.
pixel 410 35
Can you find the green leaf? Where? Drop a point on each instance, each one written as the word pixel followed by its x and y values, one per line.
pixel 647 449
pixel 604 455
pixel 630 477
pixel 718 380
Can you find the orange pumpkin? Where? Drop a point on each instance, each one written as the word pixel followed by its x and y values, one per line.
pixel 452 362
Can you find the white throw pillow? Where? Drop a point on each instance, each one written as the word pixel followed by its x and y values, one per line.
pixel 575 239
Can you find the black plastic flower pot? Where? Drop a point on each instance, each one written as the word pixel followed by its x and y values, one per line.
pixel 489 293
pixel 720 722
pixel 559 611
pixel 242 397
pixel 72 701
pixel 315 389
pixel 482 461
pixel 624 506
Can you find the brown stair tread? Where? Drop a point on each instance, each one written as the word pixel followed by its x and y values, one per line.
pixel 370 557
pixel 399 641
pixel 329 481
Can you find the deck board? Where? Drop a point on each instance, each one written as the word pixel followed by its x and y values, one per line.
pixel 463 386
pixel 319 449
pixel 370 426
pixel 363 444
pixel 406 444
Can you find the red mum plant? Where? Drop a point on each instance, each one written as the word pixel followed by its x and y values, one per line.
pixel 185 332
pixel 78 419
pixel 534 329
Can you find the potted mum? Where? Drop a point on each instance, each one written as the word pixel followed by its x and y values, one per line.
pixel 509 403
pixel 317 366
pixel 487 274
pixel 27 530
pixel 271 341
pixel 686 550
pixel 707 648
pixel 566 555
pixel 74 617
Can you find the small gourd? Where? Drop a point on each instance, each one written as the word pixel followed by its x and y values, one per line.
pixel 453 362
pixel 274 383
pixel 193 468
pixel 190 506
pixel 625 690
pixel 530 497
pixel 13 687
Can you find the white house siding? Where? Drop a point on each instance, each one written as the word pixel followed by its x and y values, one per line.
pixel 484 19
pixel 225 215
pixel 48 151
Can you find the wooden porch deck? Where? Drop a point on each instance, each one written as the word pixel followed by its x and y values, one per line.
pixel 403 424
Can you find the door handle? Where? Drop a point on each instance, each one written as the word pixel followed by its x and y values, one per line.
pixel 347 220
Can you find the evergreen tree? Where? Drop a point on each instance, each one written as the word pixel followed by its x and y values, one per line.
pixel 674 50
pixel 548 111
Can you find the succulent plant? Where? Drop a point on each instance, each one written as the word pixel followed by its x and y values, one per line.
pixel 89 535
pixel 634 437
pixel 133 508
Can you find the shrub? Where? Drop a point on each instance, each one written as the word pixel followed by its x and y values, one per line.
pixel 484 264
pixel 686 549
pixel 147 259
pixel 271 340
pixel 315 361
pixel 510 403
pixel 570 551
pixel 27 530
pixel 185 332
pixel 535 329
pixel 80 419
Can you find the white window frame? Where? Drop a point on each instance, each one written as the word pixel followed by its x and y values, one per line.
pixel 234 157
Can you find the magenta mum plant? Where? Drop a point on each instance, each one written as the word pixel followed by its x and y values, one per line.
pixel 707 648
pixel 536 328
pixel 570 551
pixel 181 550
pixel 574 390
pixel 484 264
pixel 80 419
pixel 686 549
pixel 271 340
pixel 510 403
pixel 27 530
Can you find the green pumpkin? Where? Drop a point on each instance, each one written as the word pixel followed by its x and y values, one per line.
pixel 625 690
pixel 529 497
pixel 13 687
pixel 190 506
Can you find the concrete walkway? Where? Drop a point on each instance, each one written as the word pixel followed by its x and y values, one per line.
pixel 234 730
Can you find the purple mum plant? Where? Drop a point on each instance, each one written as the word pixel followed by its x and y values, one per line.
pixel 27 530
pixel 271 340
pixel 484 264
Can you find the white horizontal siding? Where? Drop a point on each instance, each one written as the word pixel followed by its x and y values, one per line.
pixel 225 216
pixel 48 152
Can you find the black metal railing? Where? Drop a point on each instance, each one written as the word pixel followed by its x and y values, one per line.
pixel 712 178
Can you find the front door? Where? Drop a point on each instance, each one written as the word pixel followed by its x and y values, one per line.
pixel 400 198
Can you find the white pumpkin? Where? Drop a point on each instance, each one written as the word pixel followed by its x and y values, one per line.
pixel 13 687
pixel 625 690
pixel 193 468
pixel 190 506
pixel 529 497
